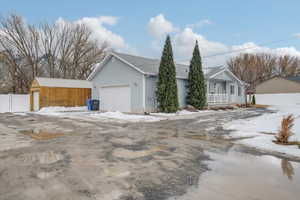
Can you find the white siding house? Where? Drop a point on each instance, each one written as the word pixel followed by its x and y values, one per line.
pixel 128 83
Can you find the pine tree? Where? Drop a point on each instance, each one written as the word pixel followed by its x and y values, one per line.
pixel 253 100
pixel 167 94
pixel 196 83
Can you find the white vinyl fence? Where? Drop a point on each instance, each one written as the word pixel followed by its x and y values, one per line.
pixel 14 103
pixel 278 99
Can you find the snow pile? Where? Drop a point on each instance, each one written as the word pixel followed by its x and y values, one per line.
pixel 263 128
pixel 181 112
pixel 127 117
pixel 62 109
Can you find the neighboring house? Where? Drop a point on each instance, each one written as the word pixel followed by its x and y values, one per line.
pixel 279 91
pixel 128 83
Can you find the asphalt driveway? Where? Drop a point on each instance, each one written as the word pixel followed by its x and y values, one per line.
pixel 50 157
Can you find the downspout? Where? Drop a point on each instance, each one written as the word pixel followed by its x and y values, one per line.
pixel 144 93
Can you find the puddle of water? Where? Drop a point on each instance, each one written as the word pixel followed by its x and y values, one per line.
pixel 236 176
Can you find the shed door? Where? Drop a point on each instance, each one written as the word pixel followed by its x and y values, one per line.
pixel 115 98
pixel 36 101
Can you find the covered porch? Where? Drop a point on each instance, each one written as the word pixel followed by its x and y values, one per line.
pixel 220 92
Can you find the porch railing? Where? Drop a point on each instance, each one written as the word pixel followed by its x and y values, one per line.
pixel 217 98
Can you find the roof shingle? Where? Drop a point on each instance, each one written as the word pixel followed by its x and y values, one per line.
pixel 151 66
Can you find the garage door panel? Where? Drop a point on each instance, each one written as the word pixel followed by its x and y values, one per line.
pixel 115 98
pixel 278 99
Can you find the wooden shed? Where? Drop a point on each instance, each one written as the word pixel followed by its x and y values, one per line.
pixel 46 92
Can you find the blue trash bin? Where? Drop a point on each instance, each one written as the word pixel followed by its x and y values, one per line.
pixel 95 104
pixel 89 104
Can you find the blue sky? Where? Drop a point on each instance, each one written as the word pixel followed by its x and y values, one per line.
pixel 231 23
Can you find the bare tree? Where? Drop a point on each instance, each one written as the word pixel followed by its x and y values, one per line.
pixel 53 50
pixel 256 68
pixel 287 66
pixel 78 52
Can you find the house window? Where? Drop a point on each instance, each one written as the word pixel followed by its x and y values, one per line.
pixel 212 87
pixel 232 89
pixel 239 91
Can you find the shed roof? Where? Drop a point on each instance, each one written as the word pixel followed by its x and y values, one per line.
pixel 66 83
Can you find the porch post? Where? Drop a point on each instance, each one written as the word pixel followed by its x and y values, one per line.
pixel 207 91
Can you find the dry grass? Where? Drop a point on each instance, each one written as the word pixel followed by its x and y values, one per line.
pixel 259 106
pixel 285 132
pixel 43 135
pixel 252 106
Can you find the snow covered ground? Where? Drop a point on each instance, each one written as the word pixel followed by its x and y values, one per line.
pixel 127 117
pixel 263 128
pixel 181 113
pixel 83 113
pixel 62 109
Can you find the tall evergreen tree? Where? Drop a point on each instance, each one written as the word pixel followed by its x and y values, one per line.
pixel 196 83
pixel 167 94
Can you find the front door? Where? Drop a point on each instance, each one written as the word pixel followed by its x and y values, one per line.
pixel 36 101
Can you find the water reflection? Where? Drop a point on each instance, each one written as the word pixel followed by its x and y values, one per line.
pixel 287 168
pixel 237 175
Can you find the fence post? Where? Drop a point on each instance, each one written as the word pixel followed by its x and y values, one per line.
pixel 10 102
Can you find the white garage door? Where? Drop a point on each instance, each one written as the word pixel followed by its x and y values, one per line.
pixel 278 99
pixel 115 98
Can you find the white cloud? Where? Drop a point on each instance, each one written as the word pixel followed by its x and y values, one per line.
pixel 159 26
pixel 184 42
pixel 200 24
pixel 100 32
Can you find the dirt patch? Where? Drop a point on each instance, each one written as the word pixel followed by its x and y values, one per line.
pixel 288 143
pixel 198 137
pixel 42 135
pixel 129 154
pixel 252 106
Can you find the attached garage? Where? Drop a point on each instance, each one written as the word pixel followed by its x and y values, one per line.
pixel 279 91
pixel 46 92
pixel 115 98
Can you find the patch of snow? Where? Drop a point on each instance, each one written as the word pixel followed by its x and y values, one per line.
pixel 127 117
pixel 210 129
pixel 83 113
pixel 55 109
pixel 20 113
pixel 182 112
pixel 269 123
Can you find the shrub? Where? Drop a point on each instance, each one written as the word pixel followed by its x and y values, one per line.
pixel 253 100
pixel 285 132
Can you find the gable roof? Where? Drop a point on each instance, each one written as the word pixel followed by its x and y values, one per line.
pixel 294 78
pixel 150 66
pixel 66 83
